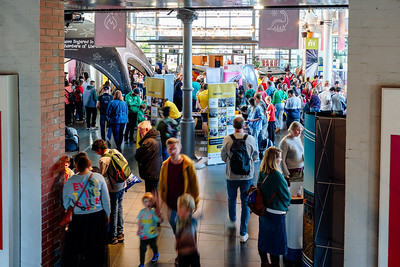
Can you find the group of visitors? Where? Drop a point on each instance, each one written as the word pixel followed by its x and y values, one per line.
pixel 96 194
pixel 239 151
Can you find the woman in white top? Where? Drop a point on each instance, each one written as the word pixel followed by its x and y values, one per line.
pixel 293 153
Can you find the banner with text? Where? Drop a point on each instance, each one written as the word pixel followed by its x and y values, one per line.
pixel 221 103
pixel 279 29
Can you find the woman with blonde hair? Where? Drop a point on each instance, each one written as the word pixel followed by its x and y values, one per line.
pixel 293 153
pixel 272 226
pixel 117 116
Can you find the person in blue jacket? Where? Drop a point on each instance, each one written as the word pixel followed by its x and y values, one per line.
pixel 117 115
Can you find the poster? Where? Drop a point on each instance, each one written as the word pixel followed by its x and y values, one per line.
pixel 155 99
pixel 279 28
pixel 312 45
pixel 221 103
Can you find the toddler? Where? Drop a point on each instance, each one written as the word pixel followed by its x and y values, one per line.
pixel 147 220
pixel 186 234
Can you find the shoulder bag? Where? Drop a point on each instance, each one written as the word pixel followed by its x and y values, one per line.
pixel 68 215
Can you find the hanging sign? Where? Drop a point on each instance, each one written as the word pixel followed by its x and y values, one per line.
pixel 110 29
pixel 279 29
pixel 312 45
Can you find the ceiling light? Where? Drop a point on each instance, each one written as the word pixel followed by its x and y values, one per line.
pixel 258 7
pixel 174 4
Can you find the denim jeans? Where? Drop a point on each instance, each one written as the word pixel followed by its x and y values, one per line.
pixel 279 114
pixel 232 187
pixel 172 220
pixel 256 135
pixel 118 132
pixel 116 216
pixel 103 120
pixel 314 109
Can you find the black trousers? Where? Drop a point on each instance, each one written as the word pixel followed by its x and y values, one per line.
pixel 143 247
pixel 91 114
pixel 192 260
pixel 265 262
pixel 271 131
pixel 79 110
pixel 130 126
pixel 69 113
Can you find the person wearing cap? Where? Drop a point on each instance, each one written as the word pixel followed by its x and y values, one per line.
pixel 133 100
pixel 89 102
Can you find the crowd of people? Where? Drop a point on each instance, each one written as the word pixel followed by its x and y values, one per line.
pixel 171 183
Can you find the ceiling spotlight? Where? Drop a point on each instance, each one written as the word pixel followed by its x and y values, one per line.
pixel 258 7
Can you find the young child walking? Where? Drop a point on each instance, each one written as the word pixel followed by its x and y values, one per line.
pixel 186 233
pixel 147 220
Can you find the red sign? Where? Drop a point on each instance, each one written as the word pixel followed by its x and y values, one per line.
pixel 269 63
pixel 394 200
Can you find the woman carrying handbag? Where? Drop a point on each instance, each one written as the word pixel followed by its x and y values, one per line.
pixel 86 237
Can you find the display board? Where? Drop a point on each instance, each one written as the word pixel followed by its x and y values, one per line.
pixel 213 75
pixel 155 98
pixel 221 105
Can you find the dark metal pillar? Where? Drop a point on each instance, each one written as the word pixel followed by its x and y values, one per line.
pixel 187 124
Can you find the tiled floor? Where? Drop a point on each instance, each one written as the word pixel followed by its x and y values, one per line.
pixel 218 243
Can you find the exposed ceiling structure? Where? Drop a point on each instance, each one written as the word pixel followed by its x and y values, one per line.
pixel 198 4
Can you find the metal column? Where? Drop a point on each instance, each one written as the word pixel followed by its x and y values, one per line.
pixel 187 124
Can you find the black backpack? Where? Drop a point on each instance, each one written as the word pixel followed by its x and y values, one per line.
pixel 240 159
pixel 71 96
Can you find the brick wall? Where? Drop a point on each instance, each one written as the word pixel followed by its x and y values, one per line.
pixel 52 125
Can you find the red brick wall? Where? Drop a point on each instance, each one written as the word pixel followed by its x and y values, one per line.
pixel 52 126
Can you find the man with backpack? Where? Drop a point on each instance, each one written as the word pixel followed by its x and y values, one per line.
pixel 168 128
pixel 239 151
pixel 102 104
pixel 149 156
pixel 111 164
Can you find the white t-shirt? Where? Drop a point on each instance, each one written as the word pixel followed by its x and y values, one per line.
pixel 326 100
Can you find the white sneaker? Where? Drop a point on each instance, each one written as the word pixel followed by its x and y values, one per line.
pixel 243 238
pixel 230 223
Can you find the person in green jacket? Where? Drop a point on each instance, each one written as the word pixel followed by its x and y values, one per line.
pixel 276 196
pixel 250 91
pixel 133 101
pixel 140 114
pixel 278 100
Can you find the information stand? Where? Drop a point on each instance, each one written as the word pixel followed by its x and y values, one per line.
pixel 221 105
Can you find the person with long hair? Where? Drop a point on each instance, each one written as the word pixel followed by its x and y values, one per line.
pixel 117 115
pixel 293 153
pixel 272 226
pixel 87 232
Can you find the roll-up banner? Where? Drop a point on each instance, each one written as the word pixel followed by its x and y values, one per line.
pixel 312 45
pixel 155 98
pixel 221 105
